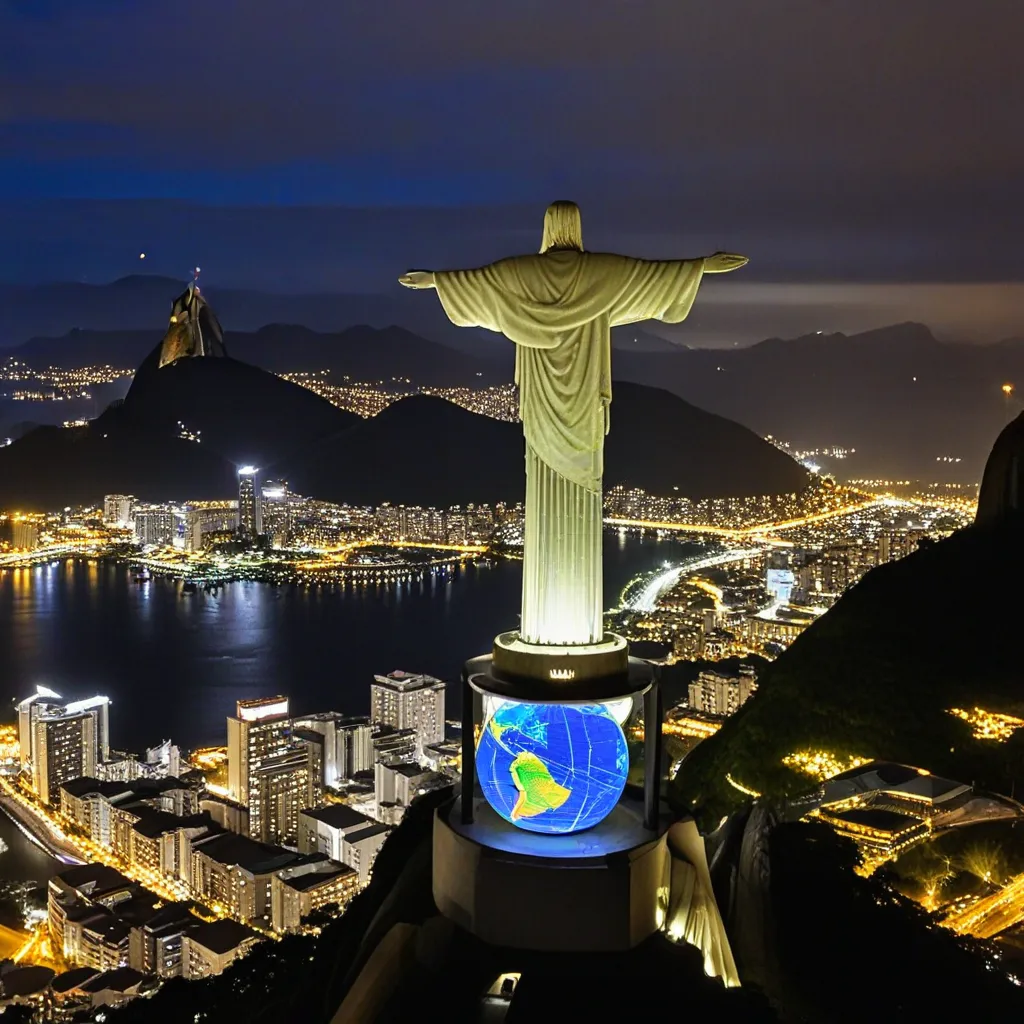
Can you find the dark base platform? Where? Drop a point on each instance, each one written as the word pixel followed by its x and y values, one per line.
pixel 603 889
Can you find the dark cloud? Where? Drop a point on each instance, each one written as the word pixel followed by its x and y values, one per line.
pixel 835 139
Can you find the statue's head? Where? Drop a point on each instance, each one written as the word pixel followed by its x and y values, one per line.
pixel 563 228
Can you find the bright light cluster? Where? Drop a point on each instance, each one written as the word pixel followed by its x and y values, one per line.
pixel 988 725
pixel 10 749
pixel 821 764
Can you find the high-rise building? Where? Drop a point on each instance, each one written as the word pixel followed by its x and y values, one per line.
pixel 396 785
pixel 277 512
pixel 250 502
pixel 117 509
pixel 211 948
pixel 409 701
pixel 354 746
pixel 718 693
pixel 154 526
pixel 64 748
pixel 28 711
pixel 60 742
pixel 211 517
pixel 98 708
pixel 270 772
pixel 347 744
pixel 24 534
pixel 297 892
pixel 344 835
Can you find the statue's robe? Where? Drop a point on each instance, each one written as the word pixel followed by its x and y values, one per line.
pixel 559 308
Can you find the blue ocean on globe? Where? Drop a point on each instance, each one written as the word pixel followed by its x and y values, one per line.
pixel 552 768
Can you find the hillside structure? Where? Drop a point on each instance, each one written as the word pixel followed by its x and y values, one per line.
pixel 193 330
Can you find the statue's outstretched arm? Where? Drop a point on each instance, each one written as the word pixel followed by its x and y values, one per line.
pixel 723 262
pixel 418 279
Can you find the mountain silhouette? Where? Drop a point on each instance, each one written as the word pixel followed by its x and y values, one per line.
pixel 126 305
pixel 902 399
pixel 425 450
pixel 243 413
pixel 51 467
pixel 898 396
pixel 363 353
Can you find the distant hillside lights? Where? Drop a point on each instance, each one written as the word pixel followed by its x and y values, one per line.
pixel 500 402
pixel 189 435
pixel 988 725
pixel 822 764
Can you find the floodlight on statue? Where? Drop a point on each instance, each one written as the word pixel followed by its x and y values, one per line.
pixel 552 768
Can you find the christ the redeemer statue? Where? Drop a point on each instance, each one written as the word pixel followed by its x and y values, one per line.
pixel 559 307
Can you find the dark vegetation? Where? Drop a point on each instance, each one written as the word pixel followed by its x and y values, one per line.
pixel 245 414
pixel 850 949
pixel 875 677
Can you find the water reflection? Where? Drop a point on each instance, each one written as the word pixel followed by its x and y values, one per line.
pixel 176 663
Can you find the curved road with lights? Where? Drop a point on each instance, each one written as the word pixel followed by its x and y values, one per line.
pixel 654 588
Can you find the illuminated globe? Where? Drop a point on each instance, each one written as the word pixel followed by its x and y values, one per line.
pixel 552 768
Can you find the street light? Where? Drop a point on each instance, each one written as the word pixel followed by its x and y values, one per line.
pixel 1007 390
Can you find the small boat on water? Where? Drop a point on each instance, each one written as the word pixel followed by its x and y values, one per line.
pixel 142 576
pixel 188 587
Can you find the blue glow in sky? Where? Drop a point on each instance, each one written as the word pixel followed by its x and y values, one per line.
pixel 835 142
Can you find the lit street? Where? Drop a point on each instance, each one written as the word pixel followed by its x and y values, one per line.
pixel 991 915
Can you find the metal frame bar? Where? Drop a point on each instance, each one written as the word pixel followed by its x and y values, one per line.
pixel 652 754
pixel 468 750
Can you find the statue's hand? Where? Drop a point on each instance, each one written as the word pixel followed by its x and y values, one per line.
pixel 723 262
pixel 418 279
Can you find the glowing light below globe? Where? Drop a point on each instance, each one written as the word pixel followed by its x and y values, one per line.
pixel 553 768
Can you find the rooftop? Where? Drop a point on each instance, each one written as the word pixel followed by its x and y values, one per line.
pixel 410 771
pixel 258 858
pixel 111 930
pixel 313 879
pixel 375 829
pixel 171 917
pixel 120 979
pixel 890 777
pixel 73 979
pixel 338 816
pixel 93 879
pixel 221 936
pixel 407 681
pixel 25 981
pixel 82 786
pixel 155 823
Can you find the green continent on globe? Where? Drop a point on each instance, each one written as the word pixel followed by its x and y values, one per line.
pixel 538 792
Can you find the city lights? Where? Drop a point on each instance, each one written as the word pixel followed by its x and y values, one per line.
pixel 988 725
pixel 821 764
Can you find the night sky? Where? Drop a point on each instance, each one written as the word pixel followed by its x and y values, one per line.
pixel 852 148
